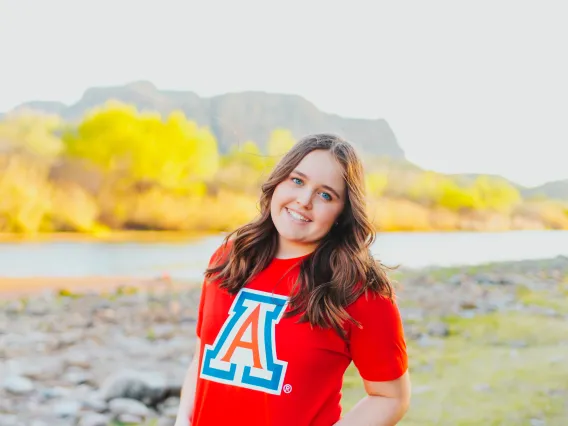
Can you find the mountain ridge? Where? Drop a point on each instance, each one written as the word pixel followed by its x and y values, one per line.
pixel 236 117
pixel 229 118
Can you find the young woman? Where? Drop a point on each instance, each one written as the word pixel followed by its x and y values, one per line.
pixel 293 297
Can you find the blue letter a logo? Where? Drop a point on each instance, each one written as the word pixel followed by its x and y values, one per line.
pixel 244 352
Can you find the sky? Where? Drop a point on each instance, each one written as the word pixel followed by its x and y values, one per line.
pixel 467 87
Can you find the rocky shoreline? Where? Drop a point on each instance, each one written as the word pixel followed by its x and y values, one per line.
pixel 98 359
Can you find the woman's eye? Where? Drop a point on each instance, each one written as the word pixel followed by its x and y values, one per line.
pixel 326 196
pixel 297 181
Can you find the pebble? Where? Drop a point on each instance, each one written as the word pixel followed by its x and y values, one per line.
pixel 123 406
pixel 18 385
pixel 67 408
pixel 94 419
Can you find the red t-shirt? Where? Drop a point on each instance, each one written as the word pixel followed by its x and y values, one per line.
pixel 259 368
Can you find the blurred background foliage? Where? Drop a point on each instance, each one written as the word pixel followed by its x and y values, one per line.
pixel 123 169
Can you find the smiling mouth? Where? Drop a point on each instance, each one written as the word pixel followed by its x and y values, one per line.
pixel 297 216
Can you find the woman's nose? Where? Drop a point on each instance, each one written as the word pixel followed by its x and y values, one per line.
pixel 305 199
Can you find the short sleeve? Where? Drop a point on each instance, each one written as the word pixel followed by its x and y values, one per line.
pixel 217 255
pixel 378 346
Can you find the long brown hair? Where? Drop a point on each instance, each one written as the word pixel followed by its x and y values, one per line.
pixel 340 269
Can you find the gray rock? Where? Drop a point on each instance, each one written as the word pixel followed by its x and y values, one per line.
pixel 130 418
pixel 172 401
pixel 78 320
pixel 44 368
pixel 488 279
pixel 8 419
pixel 55 392
pixel 169 408
pixel 70 337
pixel 467 314
pixel 170 412
pixel 77 358
pixel 412 314
pixel 41 337
pixel 427 341
pixel 412 331
pixel 457 279
pixel 148 387
pixel 163 331
pixel 67 408
pixel 14 307
pixel 438 329
pixel 120 406
pixel 18 385
pixel 77 377
pixel 136 346
pixel 468 304
pixel 38 307
pixel 107 315
pixel 95 403
pixel 94 419
pixel 20 342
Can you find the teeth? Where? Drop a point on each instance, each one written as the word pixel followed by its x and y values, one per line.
pixel 297 216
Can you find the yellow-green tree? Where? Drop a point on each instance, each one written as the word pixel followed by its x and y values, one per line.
pixel 174 153
pixel 427 188
pixel 496 194
pixel 376 184
pixel 280 142
pixel 456 198
pixel 33 133
pixel 247 155
pixel 25 193
pixel 242 169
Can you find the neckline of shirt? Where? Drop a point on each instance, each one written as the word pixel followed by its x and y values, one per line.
pixel 289 260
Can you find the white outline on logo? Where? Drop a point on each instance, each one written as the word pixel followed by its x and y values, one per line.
pixel 240 371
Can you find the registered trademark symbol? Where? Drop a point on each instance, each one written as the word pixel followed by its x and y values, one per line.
pixel 287 388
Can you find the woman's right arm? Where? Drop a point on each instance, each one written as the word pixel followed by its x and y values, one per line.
pixel 185 410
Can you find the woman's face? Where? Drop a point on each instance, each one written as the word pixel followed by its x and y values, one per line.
pixel 307 203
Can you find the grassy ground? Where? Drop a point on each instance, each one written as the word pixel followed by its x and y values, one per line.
pixel 496 369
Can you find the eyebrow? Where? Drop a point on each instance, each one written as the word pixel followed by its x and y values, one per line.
pixel 329 188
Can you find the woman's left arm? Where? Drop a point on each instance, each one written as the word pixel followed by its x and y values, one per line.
pixel 385 404
pixel 378 350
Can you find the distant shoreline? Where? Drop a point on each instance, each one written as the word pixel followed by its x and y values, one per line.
pixel 18 287
pixel 11 288
pixel 115 236
pixel 179 236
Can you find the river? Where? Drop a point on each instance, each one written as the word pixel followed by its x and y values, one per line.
pixel 186 260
